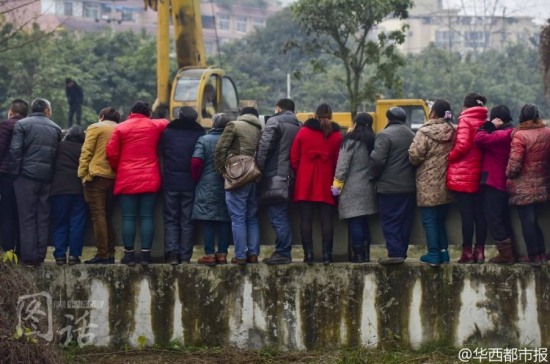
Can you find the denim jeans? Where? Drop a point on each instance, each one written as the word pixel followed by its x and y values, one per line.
pixel 532 233
pixel 132 206
pixel 433 219
pixel 243 209
pixel 178 226
pixel 209 232
pixel 69 214
pixel 278 215
pixel 359 232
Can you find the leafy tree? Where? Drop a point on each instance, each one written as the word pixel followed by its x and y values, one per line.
pixel 342 29
pixel 544 51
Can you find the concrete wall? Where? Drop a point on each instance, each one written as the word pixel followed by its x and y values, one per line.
pixel 301 307
pixel 340 232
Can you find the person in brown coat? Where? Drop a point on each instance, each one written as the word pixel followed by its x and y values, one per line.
pixel 528 180
pixel 429 151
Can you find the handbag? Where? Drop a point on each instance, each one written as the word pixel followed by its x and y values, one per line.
pixel 240 170
pixel 275 189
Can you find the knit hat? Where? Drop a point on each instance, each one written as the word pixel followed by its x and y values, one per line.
pixel 188 114
pixel 396 114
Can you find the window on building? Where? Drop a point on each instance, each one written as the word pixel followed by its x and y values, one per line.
pixel 222 21
pixel 240 24
pixel 127 15
pixel 68 8
pixel 259 22
pixel 91 10
pixel 208 21
pixel 445 38
pixel 474 39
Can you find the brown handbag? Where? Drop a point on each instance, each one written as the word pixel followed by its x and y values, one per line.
pixel 240 170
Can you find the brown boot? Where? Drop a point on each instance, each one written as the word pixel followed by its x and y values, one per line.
pixel 209 259
pixel 467 256
pixel 221 258
pixel 505 253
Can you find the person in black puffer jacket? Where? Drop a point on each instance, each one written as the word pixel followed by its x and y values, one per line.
pixel 32 158
pixel 69 210
pixel 177 145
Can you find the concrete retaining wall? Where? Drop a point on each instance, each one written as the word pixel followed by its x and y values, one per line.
pixel 299 307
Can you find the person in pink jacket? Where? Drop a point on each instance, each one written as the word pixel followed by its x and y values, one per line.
pixel 132 153
pixel 463 177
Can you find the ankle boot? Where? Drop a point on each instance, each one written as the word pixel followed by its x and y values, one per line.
pixel 505 253
pixel 467 256
pixel 479 254
pixel 433 257
pixel 358 255
pixel 327 252
pixel 308 252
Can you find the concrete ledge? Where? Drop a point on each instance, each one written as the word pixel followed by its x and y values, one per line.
pixel 298 306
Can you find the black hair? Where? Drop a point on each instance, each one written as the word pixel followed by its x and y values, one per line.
pixel 529 112
pixel 249 110
pixel 219 121
pixel 109 113
pixel 324 114
pixel 40 105
pixel 362 131
pixel 500 112
pixel 141 107
pixel 19 107
pixel 474 99
pixel 68 79
pixel 442 109
pixel 75 134
pixel 286 104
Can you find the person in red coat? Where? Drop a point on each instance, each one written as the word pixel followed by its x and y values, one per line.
pixel 132 153
pixel 313 158
pixel 529 180
pixel 494 138
pixel 463 176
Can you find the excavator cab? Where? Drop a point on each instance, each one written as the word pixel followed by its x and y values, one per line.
pixel 208 90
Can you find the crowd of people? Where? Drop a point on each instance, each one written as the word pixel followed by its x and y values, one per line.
pixel 52 182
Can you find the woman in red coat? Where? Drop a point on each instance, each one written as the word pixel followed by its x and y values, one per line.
pixel 529 180
pixel 132 153
pixel 313 158
pixel 463 176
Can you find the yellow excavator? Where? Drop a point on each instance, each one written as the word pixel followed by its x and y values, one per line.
pixel 207 89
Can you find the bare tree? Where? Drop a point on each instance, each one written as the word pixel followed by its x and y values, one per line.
pixel 544 50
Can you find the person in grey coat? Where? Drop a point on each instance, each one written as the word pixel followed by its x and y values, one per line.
pixel 351 183
pixel 394 178
pixel 33 149
pixel 273 159
pixel 209 206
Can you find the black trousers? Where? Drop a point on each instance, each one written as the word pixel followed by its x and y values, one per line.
pixel 75 110
pixel 532 234
pixel 497 212
pixel 33 206
pixel 306 222
pixel 9 221
pixel 178 226
pixel 473 218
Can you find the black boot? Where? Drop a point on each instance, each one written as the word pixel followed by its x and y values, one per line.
pixel 358 255
pixel 308 252
pixel 327 252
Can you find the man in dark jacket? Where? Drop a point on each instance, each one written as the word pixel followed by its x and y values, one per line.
pixel 178 143
pixel 273 159
pixel 75 97
pixel 394 178
pixel 32 159
pixel 9 224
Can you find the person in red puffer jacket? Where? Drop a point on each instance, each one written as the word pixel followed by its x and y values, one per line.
pixel 132 153
pixel 495 139
pixel 529 180
pixel 463 176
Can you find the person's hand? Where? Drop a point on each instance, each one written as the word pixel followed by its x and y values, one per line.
pixel 335 191
pixel 497 122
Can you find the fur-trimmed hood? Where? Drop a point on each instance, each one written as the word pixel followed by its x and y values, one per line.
pixel 315 124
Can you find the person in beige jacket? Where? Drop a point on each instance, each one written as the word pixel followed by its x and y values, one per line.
pixel 429 151
pixel 98 179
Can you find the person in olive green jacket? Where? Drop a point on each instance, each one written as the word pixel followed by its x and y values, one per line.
pixel 98 179
pixel 240 137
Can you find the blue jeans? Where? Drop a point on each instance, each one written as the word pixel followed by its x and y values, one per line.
pixel 243 209
pixel 278 215
pixel 209 232
pixel 433 219
pixel 359 232
pixel 68 214
pixel 396 212
pixel 132 206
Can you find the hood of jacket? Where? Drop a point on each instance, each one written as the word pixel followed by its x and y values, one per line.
pixel 529 124
pixel 315 124
pixel 476 112
pixel 438 130
pixel 251 119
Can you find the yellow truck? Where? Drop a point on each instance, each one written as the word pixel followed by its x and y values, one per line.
pixel 417 113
